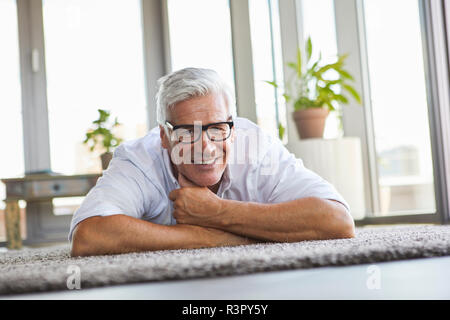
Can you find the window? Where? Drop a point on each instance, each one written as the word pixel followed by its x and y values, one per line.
pixel 11 137
pixel 319 23
pixel 399 107
pixel 267 66
pixel 94 60
pixel 200 36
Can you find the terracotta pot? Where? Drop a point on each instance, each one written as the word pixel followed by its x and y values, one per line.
pixel 106 158
pixel 310 122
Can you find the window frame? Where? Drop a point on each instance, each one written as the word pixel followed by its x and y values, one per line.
pixel 351 38
pixel 437 53
pixel 34 86
pixel 243 59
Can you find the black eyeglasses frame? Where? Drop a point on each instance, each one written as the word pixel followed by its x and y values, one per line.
pixel 204 128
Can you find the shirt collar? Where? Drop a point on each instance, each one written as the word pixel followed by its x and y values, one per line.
pixel 224 185
pixel 168 166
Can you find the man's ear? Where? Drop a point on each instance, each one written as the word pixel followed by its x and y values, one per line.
pixel 164 139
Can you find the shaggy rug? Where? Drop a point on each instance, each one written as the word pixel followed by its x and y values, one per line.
pixel 52 268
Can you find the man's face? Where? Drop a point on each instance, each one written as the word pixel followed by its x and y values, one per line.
pixel 206 160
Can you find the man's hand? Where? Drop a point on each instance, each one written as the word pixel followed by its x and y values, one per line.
pixel 195 205
pixel 308 218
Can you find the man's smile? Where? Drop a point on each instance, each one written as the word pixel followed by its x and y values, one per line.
pixel 210 161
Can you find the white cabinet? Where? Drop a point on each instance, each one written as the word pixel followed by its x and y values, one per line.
pixel 339 162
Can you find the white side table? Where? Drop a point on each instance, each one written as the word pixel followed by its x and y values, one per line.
pixel 339 162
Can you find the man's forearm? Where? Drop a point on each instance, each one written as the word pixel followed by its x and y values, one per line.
pixel 301 219
pixel 121 234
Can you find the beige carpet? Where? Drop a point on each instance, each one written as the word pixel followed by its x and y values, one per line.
pixel 51 268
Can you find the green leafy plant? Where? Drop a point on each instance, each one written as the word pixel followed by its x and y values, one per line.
pixel 312 85
pixel 281 131
pixel 101 133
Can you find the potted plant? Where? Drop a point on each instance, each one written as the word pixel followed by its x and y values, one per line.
pixel 315 89
pixel 101 136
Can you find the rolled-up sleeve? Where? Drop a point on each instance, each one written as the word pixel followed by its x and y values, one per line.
pixel 118 191
pixel 282 177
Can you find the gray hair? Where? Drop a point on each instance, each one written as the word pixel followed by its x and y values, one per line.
pixel 188 83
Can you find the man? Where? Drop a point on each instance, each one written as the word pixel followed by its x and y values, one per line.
pixel 204 178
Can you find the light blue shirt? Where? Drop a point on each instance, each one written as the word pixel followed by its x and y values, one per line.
pixel 139 177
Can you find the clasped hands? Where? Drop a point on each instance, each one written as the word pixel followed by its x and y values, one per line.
pixel 196 205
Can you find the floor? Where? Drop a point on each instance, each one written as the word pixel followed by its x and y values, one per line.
pixel 412 279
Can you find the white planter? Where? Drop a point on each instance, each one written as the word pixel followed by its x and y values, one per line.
pixel 339 162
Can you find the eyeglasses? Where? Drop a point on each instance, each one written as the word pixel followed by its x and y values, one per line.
pixel 188 133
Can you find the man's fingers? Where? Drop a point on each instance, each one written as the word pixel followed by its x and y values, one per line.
pixel 173 194
pixel 179 215
pixel 185 182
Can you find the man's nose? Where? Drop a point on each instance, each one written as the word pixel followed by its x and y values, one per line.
pixel 207 146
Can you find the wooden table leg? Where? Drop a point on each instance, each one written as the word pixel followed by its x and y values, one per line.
pixel 12 222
